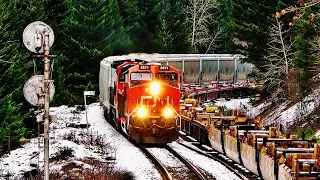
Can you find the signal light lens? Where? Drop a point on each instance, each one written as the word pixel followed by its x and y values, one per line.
pixel 142 112
pixel 155 88
pixel 167 113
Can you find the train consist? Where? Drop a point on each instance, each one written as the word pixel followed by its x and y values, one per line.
pixel 141 98
pixel 141 93
pixel 215 90
pixel 264 151
pixel 151 97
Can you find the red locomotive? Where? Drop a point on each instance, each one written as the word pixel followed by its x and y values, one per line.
pixel 141 97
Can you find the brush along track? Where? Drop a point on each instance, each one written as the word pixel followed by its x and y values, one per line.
pixel 171 164
pixel 245 175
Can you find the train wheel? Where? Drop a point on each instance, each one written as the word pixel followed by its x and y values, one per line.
pixel 105 113
pixel 118 124
pixel 130 138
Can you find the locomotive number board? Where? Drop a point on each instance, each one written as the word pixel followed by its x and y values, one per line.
pixel 144 67
pixel 164 68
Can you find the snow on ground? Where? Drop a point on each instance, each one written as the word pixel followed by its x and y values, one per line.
pixel 213 168
pixel 243 103
pixel 233 103
pixel 300 110
pixel 128 158
pixel 127 155
pixel 288 116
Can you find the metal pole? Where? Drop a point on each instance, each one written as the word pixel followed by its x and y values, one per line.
pixel 46 104
pixel 85 105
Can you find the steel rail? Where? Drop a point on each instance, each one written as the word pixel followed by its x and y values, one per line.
pixel 187 163
pixel 156 161
pixel 241 176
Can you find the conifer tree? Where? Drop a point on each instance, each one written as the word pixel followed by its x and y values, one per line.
pixel 91 31
pixel 11 126
pixel 172 31
pixel 15 67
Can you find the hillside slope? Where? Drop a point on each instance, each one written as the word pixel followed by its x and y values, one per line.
pixel 302 114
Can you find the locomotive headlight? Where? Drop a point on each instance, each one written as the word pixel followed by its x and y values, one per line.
pixel 167 113
pixel 155 88
pixel 142 112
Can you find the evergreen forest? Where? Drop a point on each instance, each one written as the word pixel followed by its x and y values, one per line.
pixel 280 37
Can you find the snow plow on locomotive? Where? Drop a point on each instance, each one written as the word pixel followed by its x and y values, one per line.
pixel 141 98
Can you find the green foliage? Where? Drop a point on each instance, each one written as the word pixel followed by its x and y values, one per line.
pixel 304 32
pixel 309 133
pixel 246 27
pixel 225 111
pixel 88 31
pixel 301 53
pixel 15 68
pixel 222 19
pixel 11 126
pixel 172 32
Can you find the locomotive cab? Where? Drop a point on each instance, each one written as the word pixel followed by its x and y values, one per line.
pixel 148 102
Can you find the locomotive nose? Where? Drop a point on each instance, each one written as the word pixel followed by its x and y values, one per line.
pixel 155 88
pixel 154 130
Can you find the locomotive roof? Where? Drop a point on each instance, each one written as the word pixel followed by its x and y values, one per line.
pixel 170 57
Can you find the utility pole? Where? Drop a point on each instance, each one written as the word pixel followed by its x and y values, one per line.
pixel 38 37
pixel 46 104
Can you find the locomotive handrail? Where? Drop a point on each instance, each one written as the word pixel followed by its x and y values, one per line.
pixel 134 110
pixel 174 110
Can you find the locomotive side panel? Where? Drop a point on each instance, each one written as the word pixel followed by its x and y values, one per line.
pixel 104 76
pixel 107 89
pixel 112 87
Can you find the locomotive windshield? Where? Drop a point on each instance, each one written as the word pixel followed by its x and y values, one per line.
pixel 137 78
pixel 168 78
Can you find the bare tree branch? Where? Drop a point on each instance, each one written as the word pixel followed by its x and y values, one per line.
pixel 214 39
pixel 3 61
pixel 200 16
pixel 280 61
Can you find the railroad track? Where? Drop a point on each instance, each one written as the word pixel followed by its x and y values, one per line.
pixel 171 164
pixel 238 170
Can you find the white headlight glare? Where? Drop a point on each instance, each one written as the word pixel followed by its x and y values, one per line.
pixel 142 112
pixel 155 88
pixel 167 113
